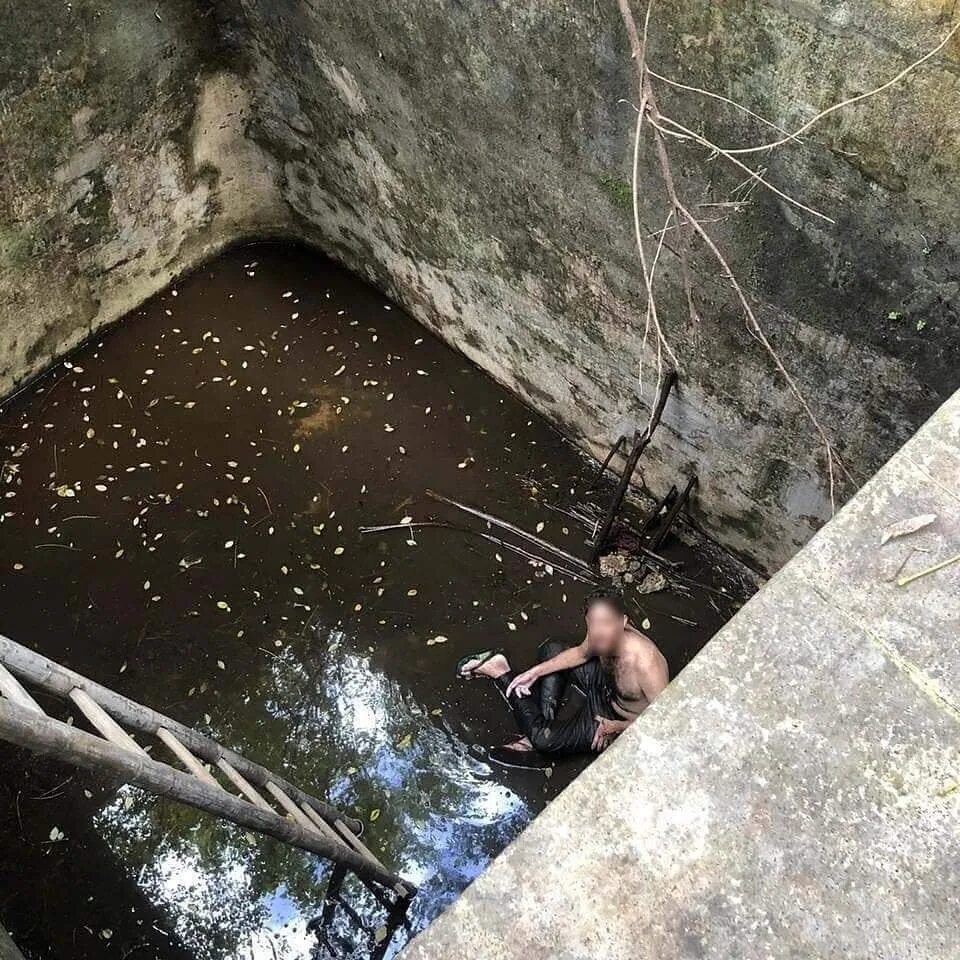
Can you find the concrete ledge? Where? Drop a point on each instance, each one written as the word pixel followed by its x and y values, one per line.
pixel 795 793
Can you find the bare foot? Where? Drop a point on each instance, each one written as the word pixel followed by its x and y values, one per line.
pixel 521 746
pixel 495 667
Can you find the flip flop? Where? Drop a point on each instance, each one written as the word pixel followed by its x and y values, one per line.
pixel 484 656
pixel 519 759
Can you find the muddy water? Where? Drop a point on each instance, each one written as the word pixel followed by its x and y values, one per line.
pixel 180 522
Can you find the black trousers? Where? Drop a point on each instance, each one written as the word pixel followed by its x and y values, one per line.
pixel 537 715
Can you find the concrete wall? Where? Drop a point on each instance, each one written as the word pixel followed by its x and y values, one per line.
pixel 471 158
pixel 123 162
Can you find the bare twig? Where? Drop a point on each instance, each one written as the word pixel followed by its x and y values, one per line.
pixel 663 127
pixel 717 96
pixel 686 133
pixel 903 581
pixel 893 81
pixel 778 363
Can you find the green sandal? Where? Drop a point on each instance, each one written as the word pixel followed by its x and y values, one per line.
pixel 484 656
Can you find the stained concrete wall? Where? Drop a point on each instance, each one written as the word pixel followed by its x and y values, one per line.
pixel 123 162
pixel 472 159
pixel 795 792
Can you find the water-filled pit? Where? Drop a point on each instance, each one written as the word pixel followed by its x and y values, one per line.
pixel 180 522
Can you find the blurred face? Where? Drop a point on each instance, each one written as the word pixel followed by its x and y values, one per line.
pixel 605 627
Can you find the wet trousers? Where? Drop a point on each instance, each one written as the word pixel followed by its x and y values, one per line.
pixel 538 715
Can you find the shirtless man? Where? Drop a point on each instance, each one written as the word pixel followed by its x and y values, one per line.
pixel 619 671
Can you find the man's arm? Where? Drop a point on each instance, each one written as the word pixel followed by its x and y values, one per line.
pixel 654 677
pixel 565 660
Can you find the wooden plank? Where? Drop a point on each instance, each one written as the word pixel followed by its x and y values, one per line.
pixel 305 822
pixel 57 679
pixel 187 758
pixel 401 888
pixel 13 690
pixel 320 823
pixel 103 721
pixel 243 785
pixel 45 735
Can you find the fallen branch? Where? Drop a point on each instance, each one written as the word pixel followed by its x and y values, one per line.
pixel 512 547
pixel 673 513
pixel 506 525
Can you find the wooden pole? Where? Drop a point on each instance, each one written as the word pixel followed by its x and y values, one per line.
pixel 187 758
pixel 640 444
pixel 102 720
pixel 243 785
pixel 666 501
pixel 58 680
pixel 606 463
pixel 13 690
pixel 63 741
pixel 673 513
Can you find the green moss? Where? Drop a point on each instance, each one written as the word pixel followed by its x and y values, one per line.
pixel 619 191
pixel 16 246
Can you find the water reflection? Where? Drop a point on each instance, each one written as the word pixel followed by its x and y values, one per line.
pixel 185 516
pixel 437 812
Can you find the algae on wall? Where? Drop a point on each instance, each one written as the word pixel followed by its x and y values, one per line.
pixel 107 189
pixel 474 160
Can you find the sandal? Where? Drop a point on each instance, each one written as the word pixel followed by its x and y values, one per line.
pixel 519 759
pixel 484 656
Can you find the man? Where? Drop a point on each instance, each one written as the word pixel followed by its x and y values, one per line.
pixel 619 671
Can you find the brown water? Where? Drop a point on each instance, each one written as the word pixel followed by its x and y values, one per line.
pixel 180 522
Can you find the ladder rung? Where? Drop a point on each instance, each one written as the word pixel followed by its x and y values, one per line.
pixel 13 690
pixel 365 851
pixel 187 758
pixel 243 785
pixel 320 823
pixel 107 726
pixel 298 815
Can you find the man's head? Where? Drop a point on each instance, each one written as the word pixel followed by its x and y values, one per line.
pixel 606 616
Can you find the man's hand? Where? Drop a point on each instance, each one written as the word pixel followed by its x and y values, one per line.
pixel 522 682
pixel 606 731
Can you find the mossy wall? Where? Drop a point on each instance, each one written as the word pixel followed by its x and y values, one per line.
pixel 117 124
pixel 473 159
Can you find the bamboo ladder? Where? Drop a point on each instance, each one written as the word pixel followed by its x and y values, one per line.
pixel 307 823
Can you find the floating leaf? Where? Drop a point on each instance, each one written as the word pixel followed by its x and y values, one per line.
pixel 375 815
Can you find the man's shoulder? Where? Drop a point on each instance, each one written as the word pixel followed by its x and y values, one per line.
pixel 641 647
